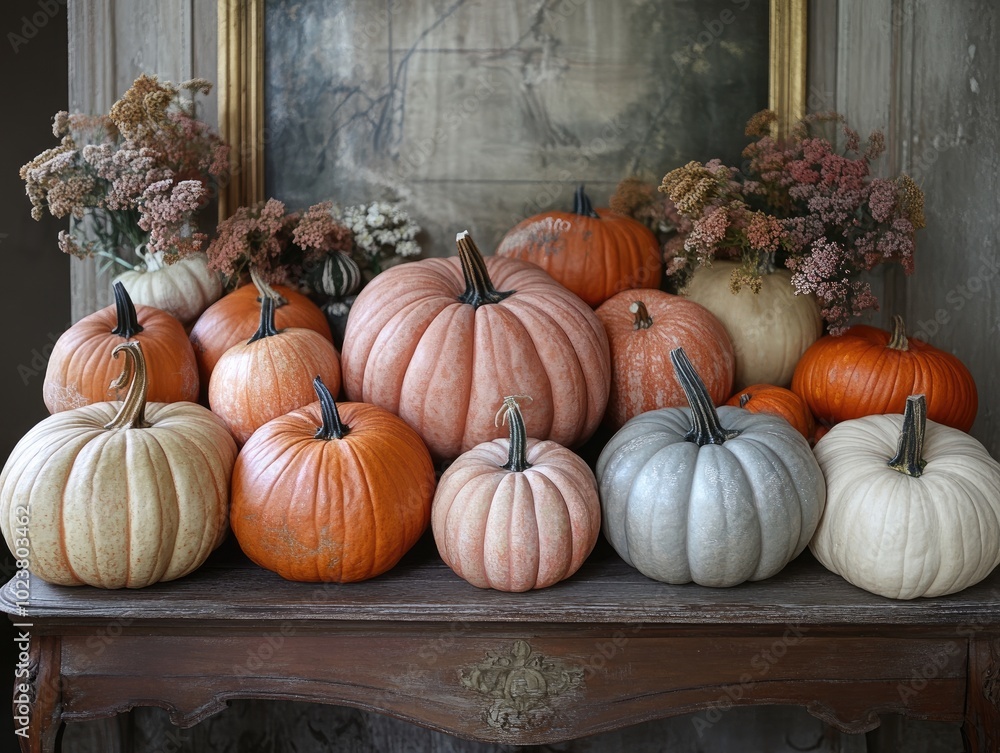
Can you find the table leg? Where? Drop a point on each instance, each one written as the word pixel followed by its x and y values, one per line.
pixel 37 697
pixel 981 730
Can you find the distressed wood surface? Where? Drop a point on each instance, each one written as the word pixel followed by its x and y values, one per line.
pixel 422 587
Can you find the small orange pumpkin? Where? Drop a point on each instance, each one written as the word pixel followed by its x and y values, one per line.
pixel 593 253
pixel 643 326
pixel 81 368
pixel 778 401
pixel 342 503
pixel 516 514
pixel 268 376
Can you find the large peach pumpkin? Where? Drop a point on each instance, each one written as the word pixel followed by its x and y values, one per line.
pixel 439 341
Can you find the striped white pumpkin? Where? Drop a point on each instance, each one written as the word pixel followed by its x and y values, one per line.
pixel 338 276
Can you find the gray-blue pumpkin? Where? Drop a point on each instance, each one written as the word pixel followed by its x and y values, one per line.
pixel 714 497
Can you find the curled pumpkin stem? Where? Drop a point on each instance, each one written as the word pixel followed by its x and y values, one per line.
pixel 132 414
pixel 517 456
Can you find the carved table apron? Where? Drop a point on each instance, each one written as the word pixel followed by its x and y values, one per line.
pixel 606 649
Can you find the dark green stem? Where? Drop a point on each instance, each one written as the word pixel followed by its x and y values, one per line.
pixel 705 426
pixel 127 325
pixel 744 399
pixel 909 452
pixel 517 457
pixel 266 328
pixel 479 288
pixel 582 205
pixel 332 427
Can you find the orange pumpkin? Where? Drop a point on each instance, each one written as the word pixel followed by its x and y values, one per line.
pixel 81 368
pixel 868 371
pixel 438 341
pixel 593 253
pixel 234 318
pixel 340 504
pixel 643 326
pixel 777 401
pixel 268 376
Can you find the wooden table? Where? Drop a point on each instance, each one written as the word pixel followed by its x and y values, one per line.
pixel 606 649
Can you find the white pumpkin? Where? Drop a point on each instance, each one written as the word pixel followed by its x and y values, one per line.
pixel 714 497
pixel 119 495
pixel 185 288
pixel 913 506
pixel 770 330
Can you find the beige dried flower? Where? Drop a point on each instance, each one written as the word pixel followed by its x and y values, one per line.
pixel 911 201
pixel 690 187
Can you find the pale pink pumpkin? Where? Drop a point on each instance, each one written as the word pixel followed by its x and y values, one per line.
pixel 643 326
pixel 270 375
pixel 438 341
pixel 516 514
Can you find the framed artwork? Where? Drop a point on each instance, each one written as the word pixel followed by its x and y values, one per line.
pixel 478 114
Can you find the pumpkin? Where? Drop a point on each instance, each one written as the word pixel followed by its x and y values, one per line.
pixel 342 503
pixel 870 371
pixel 770 330
pixel 268 376
pixel 643 326
pixel 776 401
pixel 516 514
pixel 183 289
pixel 80 367
pixel 913 506
pixel 234 318
pixel 337 276
pixel 435 341
pixel 714 497
pixel 119 495
pixel 593 253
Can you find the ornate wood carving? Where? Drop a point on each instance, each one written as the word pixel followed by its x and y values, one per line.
pixel 521 684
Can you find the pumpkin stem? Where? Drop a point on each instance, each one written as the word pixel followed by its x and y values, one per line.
pixel 705 425
pixel 517 457
pixel 265 290
pixel 132 414
pixel 479 288
pixel 333 427
pixel 642 318
pixel 127 325
pixel 898 341
pixel 582 205
pixel 266 328
pixel 909 452
pixel 744 399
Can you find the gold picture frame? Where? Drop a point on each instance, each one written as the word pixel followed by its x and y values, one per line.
pixel 241 87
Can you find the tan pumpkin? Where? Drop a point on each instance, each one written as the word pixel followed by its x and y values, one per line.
pixel 770 330
pixel 81 368
pixel 340 503
pixel 643 326
pixel 593 253
pixel 269 375
pixel 516 514
pixel 436 341
pixel 119 495
pixel 183 289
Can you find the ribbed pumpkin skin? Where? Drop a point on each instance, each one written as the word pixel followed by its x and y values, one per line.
pixel 717 515
pixel 770 330
pixel 415 349
pixel 900 536
pixel 234 318
pixel 516 531
pixel 255 382
pixel 183 289
pixel 123 508
pixel 856 375
pixel 81 367
pixel 641 376
pixel 338 510
pixel 777 401
pixel 595 257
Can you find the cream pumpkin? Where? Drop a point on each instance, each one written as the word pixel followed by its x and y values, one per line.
pixel 913 506
pixel 770 330
pixel 119 495
pixel 438 341
pixel 183 289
